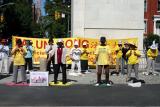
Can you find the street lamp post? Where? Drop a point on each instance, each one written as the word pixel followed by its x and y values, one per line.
pixel 68 32
pixel 6 4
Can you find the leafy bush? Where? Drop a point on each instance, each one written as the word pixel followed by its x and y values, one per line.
pixel 149 40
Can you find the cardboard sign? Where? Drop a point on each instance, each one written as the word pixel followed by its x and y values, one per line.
pixel 38 78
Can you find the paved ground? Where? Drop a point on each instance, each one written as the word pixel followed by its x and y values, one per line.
pixel 83 93
pixel 91 78
pixel 80 95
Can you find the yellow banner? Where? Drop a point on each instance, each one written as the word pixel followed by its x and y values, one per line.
pixel 39 45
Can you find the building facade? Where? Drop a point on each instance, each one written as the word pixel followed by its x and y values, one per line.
pixel 114 19
pixel 36 10
pixel 152 16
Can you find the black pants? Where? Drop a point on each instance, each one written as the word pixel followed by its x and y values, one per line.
pixel 49 64
pixel 84 65
pixel 99 73
pixel 28 63
pixel 57 69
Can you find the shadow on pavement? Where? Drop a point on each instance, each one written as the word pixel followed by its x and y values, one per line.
pixel 4 76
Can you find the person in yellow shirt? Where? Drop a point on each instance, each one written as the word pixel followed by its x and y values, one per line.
pixel 84 58
pixel 18 53
pixel 118 57
pixel 102 60
pixel 133 55
pixel 152 53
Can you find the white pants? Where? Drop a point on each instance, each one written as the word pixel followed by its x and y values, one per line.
pixel 74 63
pixel 4 65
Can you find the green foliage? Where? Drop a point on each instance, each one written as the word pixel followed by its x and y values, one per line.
pixel 18 18
pixel 150 38
pixel 58 27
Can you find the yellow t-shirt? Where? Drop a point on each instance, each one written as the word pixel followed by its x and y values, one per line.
pixel 119 54
pixel 19 58
pixel 103 53
pixel 152 55
pixel 84 55
pixel 133 59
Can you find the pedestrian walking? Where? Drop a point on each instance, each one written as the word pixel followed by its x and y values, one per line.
pixel 103 60
pixel 19 53
pixel 75 55
pixel 133 60
pixel 4 57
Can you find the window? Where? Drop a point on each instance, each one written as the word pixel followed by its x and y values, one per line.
pixel 158 5
pixel 158 24
pixel 145 5
pixel 145 26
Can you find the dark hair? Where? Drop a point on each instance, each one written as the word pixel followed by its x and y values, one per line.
pixel 50 40
pixel 19 42
pixel 28 41
pixel 103 40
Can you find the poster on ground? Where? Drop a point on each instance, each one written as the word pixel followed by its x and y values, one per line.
pixel 38 78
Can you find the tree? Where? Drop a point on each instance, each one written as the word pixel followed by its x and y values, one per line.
pixel 59 25
pixel 18 18
pixel 2 9
pixel 150 38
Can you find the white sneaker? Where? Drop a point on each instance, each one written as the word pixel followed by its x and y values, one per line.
pixel 109 85
pixel 155 74
pixel 79 73
pixel 87 72
pixel 145 73
pixel 97 84
pixel 75 74
pixel 72 74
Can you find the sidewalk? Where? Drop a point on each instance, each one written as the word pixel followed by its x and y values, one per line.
pixel 91 78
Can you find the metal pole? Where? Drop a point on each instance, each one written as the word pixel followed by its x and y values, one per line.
pixel 68 26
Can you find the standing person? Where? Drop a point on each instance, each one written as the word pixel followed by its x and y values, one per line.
pixel 103 60
pixel 28 56
pixel 31 44
pixel 49 48
pixel 18 53
pixel 59 53
pixel 84 58
pixel 4 53
pixel 152 53
pixel 75 57
pixel 133 60
pixel 124 58
pixel 118 57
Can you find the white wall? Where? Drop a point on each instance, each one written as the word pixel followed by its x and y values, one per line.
pixel 110 18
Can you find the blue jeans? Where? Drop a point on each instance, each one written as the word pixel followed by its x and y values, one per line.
pixel 123 66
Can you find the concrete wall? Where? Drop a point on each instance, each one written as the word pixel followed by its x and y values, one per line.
pixel 110 18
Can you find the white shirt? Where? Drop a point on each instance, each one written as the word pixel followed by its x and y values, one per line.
pixel 4 51
pixel 76 53
pixel 50 47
